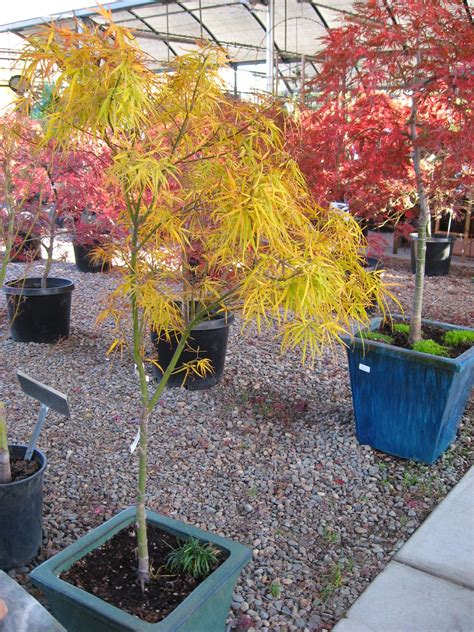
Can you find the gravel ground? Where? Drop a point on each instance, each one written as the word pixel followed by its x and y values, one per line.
pixel 267 457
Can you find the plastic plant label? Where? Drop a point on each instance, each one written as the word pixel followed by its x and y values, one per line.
pixel 137 374
pixel 134 443
pixel 364 367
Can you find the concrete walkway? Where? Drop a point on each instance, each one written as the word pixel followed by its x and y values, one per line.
pixel 429 585
pixel 20 612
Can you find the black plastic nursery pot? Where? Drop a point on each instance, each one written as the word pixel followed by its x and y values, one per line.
pixel 406 403
pixel 372 264
pixel 84 263
pixel 439 249
pixel 204 610
pixel 39 314
pixel 21 514
pixel 208 340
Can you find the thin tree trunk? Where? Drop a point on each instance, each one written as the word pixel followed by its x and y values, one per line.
pixel 5 471
pixel 52 232
pixel 10 229
pixel 143 575
pixel 423 219
pixel 143 558
pixel 49 248
pixel 9 239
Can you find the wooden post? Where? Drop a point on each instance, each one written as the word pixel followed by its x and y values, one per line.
pixel 467 224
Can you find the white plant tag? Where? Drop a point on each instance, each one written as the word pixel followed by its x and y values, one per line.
pixel 135 370
pixel 364 367
pixel 134 444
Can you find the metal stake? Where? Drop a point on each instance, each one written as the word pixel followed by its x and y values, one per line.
pixel 34 437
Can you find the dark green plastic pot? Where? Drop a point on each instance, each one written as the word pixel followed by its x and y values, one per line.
pixel 406 403
pixel 204 610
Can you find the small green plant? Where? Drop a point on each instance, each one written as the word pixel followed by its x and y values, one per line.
pixel 275 590
pixel 458 337
pixel 377 336
pixel 384 471
pixel 401 328
pixel 431 347
pixel 242 398
pixel 331 536
pixel 334 581
pixel 193 557
pixel 410 479
pixel 448 458
pixel 252 492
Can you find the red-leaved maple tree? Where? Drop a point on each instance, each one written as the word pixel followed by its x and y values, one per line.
pixel 391 132
pixel 43 187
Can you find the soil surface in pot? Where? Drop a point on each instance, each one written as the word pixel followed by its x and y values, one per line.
pixel 110 572
pixel 428 332
pixel 23 469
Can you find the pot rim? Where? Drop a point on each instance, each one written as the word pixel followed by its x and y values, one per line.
pixel 43 464
pixel 450 364
pixel 47 573
pixel 435 240
pixel 65 286
pixel 219 321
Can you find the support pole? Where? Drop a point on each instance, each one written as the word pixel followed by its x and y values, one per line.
pixel 303 79
pixel 270 46
pixel 235 82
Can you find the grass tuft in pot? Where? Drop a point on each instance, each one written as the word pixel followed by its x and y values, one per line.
pixel 193 557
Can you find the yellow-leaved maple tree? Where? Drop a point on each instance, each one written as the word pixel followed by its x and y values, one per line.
pixel 216 213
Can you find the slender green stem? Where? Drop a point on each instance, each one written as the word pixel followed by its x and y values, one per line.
pixel 143 557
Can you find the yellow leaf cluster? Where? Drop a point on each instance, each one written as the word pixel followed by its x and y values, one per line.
pixel 215 212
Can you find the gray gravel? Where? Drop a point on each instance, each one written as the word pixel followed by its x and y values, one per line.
pixel 267 457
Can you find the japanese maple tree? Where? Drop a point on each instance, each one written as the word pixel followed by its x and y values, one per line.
pixel 216 214
pixel 43 187
pixel 393 124
pixel 354 150
pixel 19 210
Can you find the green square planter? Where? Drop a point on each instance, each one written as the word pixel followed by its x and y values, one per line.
pixel 406 403
pixel 204 610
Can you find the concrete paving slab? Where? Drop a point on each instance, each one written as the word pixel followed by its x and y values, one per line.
pixel 348 625
pixel 25 614
pixel 404 599
pixel 444 544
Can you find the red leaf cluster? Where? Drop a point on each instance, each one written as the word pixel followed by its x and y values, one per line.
pixel 33 178
pixel 353 143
